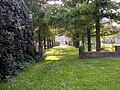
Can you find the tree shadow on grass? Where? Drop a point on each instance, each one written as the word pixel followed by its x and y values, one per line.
pixel 61 54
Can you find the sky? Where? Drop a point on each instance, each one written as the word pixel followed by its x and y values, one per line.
pixel 116 0
pixel 53 2
pixel 59 2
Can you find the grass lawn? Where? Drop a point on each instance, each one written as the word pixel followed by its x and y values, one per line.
pixel 63 70
pixel 104 47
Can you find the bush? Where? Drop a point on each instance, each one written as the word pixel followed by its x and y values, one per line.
pixel 38 58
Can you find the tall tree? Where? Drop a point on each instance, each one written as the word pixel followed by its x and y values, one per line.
pixel 39 24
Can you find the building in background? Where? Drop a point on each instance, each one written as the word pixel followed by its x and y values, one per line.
pixel 113 39
pixel 117 39
pixel 63 40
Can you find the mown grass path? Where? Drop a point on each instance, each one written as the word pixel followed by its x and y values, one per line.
pixel 63 70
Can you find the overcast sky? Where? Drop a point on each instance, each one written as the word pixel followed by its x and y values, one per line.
pixel 59 2
pixel 116 0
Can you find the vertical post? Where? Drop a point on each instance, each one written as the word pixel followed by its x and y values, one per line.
pixel 89 39
pixel 81 51
pixel 117 49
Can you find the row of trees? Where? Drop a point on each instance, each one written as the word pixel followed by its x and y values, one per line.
pixel 78 19
pixel 44 33
pixel 83 19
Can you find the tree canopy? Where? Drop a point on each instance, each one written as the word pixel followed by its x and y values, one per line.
pixel 78 19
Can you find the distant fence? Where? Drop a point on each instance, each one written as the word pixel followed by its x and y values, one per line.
pixel 83 54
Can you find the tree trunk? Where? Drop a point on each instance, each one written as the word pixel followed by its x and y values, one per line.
pixel 40 47
pixel 48 44
pixel 98 46
pixel 44 43
pixel 97 25
pixel 76 41
pixel 52 43
pixel 83 41
pixel 89 39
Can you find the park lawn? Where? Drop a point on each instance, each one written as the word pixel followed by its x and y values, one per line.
pixel 104 47
pixel 63 70
pixel 109 47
